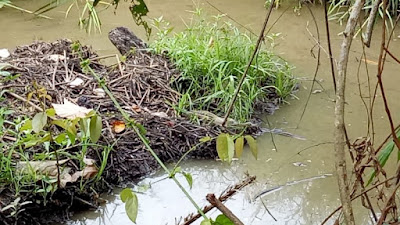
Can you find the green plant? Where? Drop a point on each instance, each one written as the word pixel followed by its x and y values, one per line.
pixel 212 57
pixel 9 4
pixel 340 10
pixel 89 18
pixel 32 161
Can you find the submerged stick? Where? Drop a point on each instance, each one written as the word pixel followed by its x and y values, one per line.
pixel 229 193
pixel 260 38
pixel 339 130
pixel 227 212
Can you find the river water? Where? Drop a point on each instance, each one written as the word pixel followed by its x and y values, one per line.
pixel 310 161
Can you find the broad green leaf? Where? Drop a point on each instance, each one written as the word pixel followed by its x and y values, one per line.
pixel 84 126
pixel 175 171
pixel 131 208
pixel 131 203
pixel 125 194
pixel 60 123
pixel 253 145
pixel 32 141
pixel 225 147
pixel 384 156
pixel 205 139
pixel 60 138
pixel 206 222
pixel 39 121
pixel 239 143
pixel 382 159
pixel 223 220
pixel 95 128
pixel 69 127
pixel 189 179
pixel 27 126
pixel 51 112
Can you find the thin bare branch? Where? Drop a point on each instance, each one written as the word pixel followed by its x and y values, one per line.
pixel 260 38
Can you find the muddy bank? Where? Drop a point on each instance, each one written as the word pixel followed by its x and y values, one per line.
pixel 42 74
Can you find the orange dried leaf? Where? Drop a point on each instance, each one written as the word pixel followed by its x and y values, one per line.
pixel 118 126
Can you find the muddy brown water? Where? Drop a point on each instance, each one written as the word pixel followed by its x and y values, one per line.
pixel 309 162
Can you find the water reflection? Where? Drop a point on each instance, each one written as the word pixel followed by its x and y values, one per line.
pixel 163 203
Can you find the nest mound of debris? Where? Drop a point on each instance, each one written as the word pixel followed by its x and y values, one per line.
pixel 68 175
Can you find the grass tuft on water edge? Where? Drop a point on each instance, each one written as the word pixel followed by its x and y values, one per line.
pixel 212 56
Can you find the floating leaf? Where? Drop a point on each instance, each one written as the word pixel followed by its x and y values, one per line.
pixel 131 203
pixel 95 128
pixel 205 139
pixel 253 145
pixel 39 121
pixel 225 147
pixel 189 179
pixel 239 143
pixel 223 220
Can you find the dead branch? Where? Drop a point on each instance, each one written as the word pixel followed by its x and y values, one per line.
pixel 225 196
pixel 388 204
pixel 371 21
pixel 227 212
pixel 391 55
pixel 318 63
pixel 357 196
pixel 339 113
pixel 380 70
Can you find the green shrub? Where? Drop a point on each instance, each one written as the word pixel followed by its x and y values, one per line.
pixel 212 57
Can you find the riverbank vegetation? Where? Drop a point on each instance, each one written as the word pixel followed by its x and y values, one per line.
pixel 63 145
pixel 212 55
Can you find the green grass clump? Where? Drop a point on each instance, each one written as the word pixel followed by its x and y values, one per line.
pixel 212 57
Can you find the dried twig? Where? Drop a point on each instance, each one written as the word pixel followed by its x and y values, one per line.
pixel 225 196
pixel 380 70
pixel 357 196
pixel 227 212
